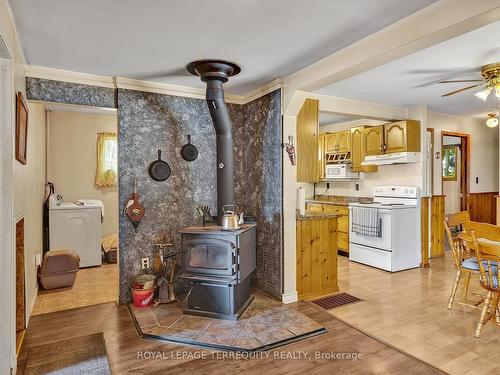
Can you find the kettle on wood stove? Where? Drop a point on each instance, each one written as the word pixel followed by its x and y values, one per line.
pixel 230 218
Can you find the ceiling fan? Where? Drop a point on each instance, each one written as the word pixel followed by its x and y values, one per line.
pixel 490 82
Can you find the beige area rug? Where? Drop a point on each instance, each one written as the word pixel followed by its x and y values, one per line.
pixel 265 324
pixel 80 355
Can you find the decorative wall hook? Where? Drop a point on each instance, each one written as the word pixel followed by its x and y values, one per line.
pixel 290 149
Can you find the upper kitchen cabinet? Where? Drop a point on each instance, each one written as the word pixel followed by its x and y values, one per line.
pixel 402 136
pixel 330 142
pixel 358 151
pixel 321 157
pixel 307 141
pixel 338 142
pixel 374 140
pixel 343 141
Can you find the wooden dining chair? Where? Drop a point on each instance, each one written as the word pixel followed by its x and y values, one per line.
pixel 465 263
pixel 488 257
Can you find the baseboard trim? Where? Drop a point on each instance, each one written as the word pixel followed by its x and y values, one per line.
pixel 289 297
pixel 31 306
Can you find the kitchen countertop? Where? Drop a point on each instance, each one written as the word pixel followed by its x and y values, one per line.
pixel 316 216
pixel 337 200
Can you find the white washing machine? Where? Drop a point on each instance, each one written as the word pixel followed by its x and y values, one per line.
pixel 77 228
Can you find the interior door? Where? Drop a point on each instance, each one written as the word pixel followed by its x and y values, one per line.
pixel 395 137
pixel 374 140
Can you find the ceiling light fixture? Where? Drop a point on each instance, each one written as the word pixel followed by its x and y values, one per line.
pixel 497 91
pixel 492 120
pixel 483 94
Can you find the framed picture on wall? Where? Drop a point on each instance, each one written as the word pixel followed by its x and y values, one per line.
pixel 21 128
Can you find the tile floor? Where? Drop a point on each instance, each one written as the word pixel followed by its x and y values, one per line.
pixel 92 286
pixel 266 322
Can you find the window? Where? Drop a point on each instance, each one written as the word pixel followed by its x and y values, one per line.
pixel 450 163
pixel 107 162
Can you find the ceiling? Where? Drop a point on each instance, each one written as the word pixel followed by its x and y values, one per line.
pixel 154 40
pixel 412 80
pixel 327 118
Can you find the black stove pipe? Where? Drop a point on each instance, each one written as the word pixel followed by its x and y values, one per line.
pixel 224 135
pixel 215 73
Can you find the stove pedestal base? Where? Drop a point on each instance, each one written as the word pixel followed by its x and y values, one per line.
pixel 221 301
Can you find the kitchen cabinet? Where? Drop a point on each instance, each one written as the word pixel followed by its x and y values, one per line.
pixel 343 141
pixel 358 151
pixel 307 141
pixel 316 256
pixel 343 221
pixel 330 142
pixel 338 142
pixel 401 136
pixel 374 140
pixel 321 157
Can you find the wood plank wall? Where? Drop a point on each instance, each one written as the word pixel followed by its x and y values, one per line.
pixel 424 230
pixel 482 207
pixel 316 257
pixel 437 226
pixel 307 141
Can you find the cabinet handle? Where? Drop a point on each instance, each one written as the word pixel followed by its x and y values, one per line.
pixel 385 147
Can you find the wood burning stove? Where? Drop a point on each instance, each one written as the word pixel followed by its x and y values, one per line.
pixel 217 266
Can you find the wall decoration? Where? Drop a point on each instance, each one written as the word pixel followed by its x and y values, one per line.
pixel 21 128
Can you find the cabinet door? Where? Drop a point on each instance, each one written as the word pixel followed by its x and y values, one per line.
pixel 356 148
pixel 321 157
pixel 395 137
pixel 343 141
pixel 330 142
pixel 374 140
pixel 307 141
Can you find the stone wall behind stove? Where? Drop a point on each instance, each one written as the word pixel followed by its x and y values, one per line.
pixel 148 122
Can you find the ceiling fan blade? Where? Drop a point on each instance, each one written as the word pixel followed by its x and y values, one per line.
pixel 457 91
pixel 461 80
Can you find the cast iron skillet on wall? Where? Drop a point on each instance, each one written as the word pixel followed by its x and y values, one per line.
pixel 159 170
pixel 189 152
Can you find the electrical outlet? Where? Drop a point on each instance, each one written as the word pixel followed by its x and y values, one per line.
pixel 144 263
pixel 328 185
pixel 477 180
pixel 357 187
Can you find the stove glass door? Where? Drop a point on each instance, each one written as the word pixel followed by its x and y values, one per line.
pixel 209 256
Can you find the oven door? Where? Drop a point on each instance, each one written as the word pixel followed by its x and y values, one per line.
pixel 384 242
pixel 210 256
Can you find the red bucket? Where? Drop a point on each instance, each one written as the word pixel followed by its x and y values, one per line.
pixel 142 297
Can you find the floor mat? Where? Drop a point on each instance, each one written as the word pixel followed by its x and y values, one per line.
pixel 80 355
pixel 265 324
pixel 336 300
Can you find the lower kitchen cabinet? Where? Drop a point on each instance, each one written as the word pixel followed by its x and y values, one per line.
pixel 316 256
pixel 343 221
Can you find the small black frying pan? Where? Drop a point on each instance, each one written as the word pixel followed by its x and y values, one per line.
pixel 189 152
pixel 159 170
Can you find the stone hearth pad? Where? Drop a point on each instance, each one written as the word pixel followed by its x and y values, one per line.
pixel 265 324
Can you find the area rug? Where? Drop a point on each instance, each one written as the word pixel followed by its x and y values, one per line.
pixel 80 355
pixel 265 324
pixel 336 300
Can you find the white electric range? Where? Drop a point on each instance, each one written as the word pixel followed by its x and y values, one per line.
pixel 386 233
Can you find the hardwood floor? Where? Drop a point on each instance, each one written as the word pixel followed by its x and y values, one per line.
pixel 409 311
pixel 92 286
pixel 129 354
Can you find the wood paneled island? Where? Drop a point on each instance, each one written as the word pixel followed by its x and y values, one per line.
pixel 316 255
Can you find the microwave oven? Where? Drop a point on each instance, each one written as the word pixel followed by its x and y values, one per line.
pixel 340 171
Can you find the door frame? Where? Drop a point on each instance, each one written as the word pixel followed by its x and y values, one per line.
pixel 7 230
pixel 465 149
pixel 431 184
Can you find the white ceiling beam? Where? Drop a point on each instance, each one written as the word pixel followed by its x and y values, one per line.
pixel 436 23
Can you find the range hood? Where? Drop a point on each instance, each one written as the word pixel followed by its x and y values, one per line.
pixel 395 158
